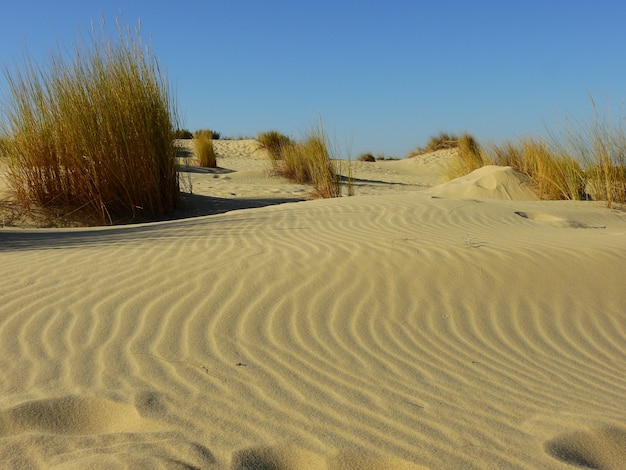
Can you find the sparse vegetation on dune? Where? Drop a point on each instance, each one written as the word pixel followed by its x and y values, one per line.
pixel 307 161
pixel 587 161
pixel 583 162
pixel 214 135
pixel 273 141
pixel 205 153
pixel 470 157
pixel 366 157
pixel 441 141
pixel 555 174
pixel 94 133
pixel 183 134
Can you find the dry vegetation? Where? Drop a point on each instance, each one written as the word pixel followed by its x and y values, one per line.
pixel 441 141
pixel 307 161
pixel 554 173
pixel 274 141
pixel 205 153
pixel 93 133
pixel 583 162
pixel 587 161
pixel 366 157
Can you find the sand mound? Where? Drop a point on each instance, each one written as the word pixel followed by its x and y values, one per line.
pixel 71 415
pixel 489 182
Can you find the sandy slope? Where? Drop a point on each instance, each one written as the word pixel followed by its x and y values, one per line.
pixel 406 327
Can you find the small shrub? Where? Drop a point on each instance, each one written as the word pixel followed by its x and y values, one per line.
pixel 366 157
pixel 273 141
pixel 183 134
pixel 205 153
pixel 441 141
pixel 208 132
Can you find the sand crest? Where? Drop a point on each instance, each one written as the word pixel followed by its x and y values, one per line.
pixel 405 327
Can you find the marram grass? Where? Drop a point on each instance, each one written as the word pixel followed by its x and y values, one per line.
pixel 93 132
pixel 205 153
pixel 308 161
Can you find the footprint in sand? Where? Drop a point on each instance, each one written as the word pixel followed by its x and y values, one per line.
pixel 293 458
pixel 96 432
pixel 72 415
pixel 601 448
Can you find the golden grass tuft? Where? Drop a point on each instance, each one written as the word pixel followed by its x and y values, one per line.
pixel 601 145
pixel 585 161
pixel 308 161
pixel 441 141
pixel 274 141
pixel 555 173
pixel 205 153
pixel 469 157
pixel 94 133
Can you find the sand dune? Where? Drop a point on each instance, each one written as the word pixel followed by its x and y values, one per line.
pixel 406 327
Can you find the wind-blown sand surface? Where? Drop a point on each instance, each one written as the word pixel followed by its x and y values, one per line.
pixel 415 325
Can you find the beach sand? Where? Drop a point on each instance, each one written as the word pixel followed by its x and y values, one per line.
pixel 418 324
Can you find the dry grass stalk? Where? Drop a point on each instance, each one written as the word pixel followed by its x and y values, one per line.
pixel 205 153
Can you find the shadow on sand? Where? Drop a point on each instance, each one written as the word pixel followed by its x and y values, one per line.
pixel 192 207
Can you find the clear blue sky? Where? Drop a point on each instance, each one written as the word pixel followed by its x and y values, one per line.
pixel 384 75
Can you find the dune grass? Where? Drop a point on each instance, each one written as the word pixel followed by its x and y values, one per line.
pixel 274 141
pixel 600 145
pixel 470 157
pixel 307 161
pixel 440 141
pixel 205 153
pixel 555 173
pixel 583 161
pixel 93 132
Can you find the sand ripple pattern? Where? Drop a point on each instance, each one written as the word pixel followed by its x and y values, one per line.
pixel 398 331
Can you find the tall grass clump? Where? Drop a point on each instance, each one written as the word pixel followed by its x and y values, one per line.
pixel 469 157
pixel 554 172
pixel 205 153
pixel 274 141
pixel 581 161
pixel 601 145
pixel 308 161
pixel 92 130
pixel 441 141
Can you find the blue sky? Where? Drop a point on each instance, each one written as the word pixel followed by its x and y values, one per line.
pixel 384 76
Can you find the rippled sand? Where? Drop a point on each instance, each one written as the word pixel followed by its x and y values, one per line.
pixel 415 325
